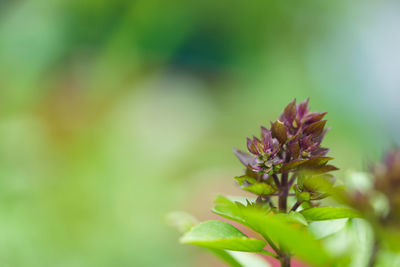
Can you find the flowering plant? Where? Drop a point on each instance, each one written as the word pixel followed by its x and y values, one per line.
pixel 288 171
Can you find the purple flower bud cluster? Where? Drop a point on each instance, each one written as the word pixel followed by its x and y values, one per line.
pixel 387 173
pixel 289 144
pixel 387 181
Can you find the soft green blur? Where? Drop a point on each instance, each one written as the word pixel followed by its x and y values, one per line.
pixel 113 113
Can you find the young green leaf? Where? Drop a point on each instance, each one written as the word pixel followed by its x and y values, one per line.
pixel 329 213
pixel 221 235
pixel 294 239
pixel 293 217
pixel 230 210
pixel 220 199
pixel 250 184
pixel 278 228
pixel 261 189
pixel 243 180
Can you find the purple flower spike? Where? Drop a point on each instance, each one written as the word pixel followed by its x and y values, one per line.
pixel 291 142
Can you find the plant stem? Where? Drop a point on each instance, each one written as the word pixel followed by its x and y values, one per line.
pixel 276 180
pixel 295 206
pixel 374 253
pixel 271 204
pixel 284 194
pixel 278 194
pixel 272 245
pixel 268 253
pixel 292 179
pixel 285 261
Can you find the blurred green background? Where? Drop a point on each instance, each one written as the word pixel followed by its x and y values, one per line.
pixel 113 113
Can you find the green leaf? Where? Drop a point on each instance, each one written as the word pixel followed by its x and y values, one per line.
pixel 251 185
pixel 297 240
pixel 303 196
pixel 261 189
pixel 316 183
pixel 231 210
pixel 243 179
pixel 220 199
pixel 293 217
pixel 292 238
pixel 221 235
pixel 329 213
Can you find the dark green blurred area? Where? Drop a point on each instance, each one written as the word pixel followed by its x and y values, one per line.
pixel 113 113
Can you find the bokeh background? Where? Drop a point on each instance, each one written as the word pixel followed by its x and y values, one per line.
pixel 113 113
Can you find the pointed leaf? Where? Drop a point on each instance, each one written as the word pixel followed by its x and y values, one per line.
pixel 220 199
pixel 251 146
pixel 329 213
pixel 303 108
pixel 261 189
pixel 290 111
pixel 294 149
pixel 315 162
pixel 292 164
pixel 221 235
pixel 293 217
pixel 250 184
pixel 317 183
pixel 244 157
pixel 278 130
pixel 322 169
pixel 315 128
pixel 295 239
pixel 245 180
pixel 315 116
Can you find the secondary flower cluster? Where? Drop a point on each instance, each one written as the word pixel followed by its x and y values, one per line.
pixel 386 181
pixel 387 178
pixel 289 143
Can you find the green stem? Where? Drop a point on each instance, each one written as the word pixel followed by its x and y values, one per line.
pixel 268 253
pixel 271 243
